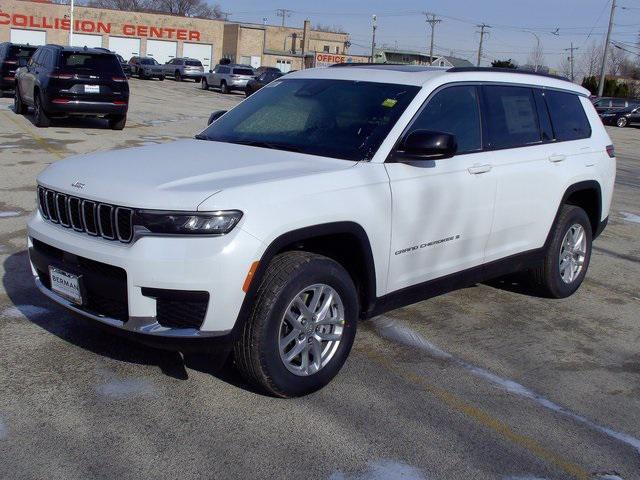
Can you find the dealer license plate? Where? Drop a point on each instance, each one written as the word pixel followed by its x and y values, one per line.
pixel 66 285
pixel 92 89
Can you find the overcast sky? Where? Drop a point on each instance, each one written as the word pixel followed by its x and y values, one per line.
pixel 401 23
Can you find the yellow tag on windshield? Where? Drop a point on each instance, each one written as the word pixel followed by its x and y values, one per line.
pixel 389 102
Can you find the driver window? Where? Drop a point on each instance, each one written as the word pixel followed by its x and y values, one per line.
pixel 454 110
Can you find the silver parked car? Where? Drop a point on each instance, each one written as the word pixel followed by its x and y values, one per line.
pixel 183 68
pixel 228 77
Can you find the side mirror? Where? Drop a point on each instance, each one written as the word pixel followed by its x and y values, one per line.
pixel 427 145
pixel 216 115
pixel 210 71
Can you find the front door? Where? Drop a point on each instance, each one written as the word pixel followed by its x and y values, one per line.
pixel 442 209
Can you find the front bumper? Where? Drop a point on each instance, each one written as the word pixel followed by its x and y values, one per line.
pixel 216 265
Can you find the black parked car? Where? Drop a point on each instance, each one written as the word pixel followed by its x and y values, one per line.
pixel 604 104
pixel 12 57
pixel 146 67
pixel 622 117
pixel 62 81
pixel 261 80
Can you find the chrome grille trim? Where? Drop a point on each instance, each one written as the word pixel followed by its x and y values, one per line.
pixel 89 205
pixel 103 227
pixel 83 215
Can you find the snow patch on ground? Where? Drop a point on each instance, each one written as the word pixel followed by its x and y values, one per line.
pixel 630 217
pixel 127 388
pixel 394 330
pixel 23 310
pixel 9 214
pixel 383 470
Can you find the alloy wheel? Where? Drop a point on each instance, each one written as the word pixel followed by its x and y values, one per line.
pixel 311 329
pixel 573 251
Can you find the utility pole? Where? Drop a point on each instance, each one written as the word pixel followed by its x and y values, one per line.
pixel 570 50
pixel 606 49
pixel 433 21
pixel 284 13
pixel 374 26
pixel 482 32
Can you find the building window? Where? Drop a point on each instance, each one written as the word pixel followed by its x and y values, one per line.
pixel 326 49
pixel 337 49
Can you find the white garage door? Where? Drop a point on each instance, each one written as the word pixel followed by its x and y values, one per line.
pixel 84 40
pixel 198 51
pixel 161 50
pixel 32 37
pixel 126 47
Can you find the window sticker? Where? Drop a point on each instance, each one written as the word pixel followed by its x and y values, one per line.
pixel 389 102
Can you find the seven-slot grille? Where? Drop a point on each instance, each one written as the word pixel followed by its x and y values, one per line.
pixel 94 218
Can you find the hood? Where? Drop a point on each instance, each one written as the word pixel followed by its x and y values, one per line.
pixel 178 175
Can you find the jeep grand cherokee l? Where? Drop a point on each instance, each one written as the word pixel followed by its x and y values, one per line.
pixel 63 81
pixel 329 196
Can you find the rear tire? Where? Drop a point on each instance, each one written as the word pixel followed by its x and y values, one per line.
pixel 19 106
pixel 117 122
pixel 177 76
pixel 567 258
pixel 262 348
pixel 161 78
pixel 223 87
pixel 40 116
pixel 622 122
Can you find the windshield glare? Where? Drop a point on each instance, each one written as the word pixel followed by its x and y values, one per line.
pixel 334 118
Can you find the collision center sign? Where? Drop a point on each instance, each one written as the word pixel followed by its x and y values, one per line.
pixel 89 26
pixel 328 59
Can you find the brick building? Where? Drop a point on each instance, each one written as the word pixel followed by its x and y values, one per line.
pixel 164 36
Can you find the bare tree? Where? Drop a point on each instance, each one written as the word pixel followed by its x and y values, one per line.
pixel 185 8
pixel 329 28
pixel 590 59
pixel 124 5
pixel 536 57
pixel 565 67
pixel 615 60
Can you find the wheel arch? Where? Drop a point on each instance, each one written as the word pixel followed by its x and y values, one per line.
pixel 345 242
pixel 588 196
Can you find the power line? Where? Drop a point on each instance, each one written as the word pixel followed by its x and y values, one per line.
pixel 482 28
pixel 432 21
pixel 570 50
pixel 606 49
pixel 284 13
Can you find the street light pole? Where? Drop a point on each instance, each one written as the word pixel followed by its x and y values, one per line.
pixel 71 25
pixel 535 56
pixel 374 25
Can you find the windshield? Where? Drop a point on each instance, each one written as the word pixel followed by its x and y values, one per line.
pixel 149 61
pixel 333 118
pixel 90 62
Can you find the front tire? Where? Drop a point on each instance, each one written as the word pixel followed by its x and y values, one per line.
pixel 161 78
pixel 567 257
pixel 19 106
pixel 177 76
pixel 40 117
pixel 204 84
pixel 622 122
pixel 301 326
pixel 223 87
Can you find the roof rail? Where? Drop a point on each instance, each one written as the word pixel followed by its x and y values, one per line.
pixel 506 70
pixel 365 64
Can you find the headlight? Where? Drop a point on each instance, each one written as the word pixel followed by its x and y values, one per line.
pixel 188 223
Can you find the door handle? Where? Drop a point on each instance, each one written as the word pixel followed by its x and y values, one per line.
pixel 478 169
pixel 557 158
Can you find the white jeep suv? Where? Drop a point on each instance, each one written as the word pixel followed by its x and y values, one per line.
pixel 329 196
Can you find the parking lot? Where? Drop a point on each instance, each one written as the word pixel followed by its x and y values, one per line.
pixel 489 382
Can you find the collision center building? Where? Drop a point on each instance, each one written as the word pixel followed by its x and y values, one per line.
pixel 164 36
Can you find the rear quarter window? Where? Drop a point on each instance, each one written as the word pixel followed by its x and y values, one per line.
pixel 567 116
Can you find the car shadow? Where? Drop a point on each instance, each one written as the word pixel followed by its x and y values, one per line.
pixel 39 310
pixel 516 283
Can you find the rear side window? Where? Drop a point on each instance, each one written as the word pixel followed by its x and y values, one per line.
pixel 223 70
pixel 90 62
pixel 242 71
pixel 511 117
pixel 20 54
pixel 618 102
pixel 567 116
pixel 454 110
pixel 193 63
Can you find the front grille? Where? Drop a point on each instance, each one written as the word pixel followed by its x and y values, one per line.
pixel 96 219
